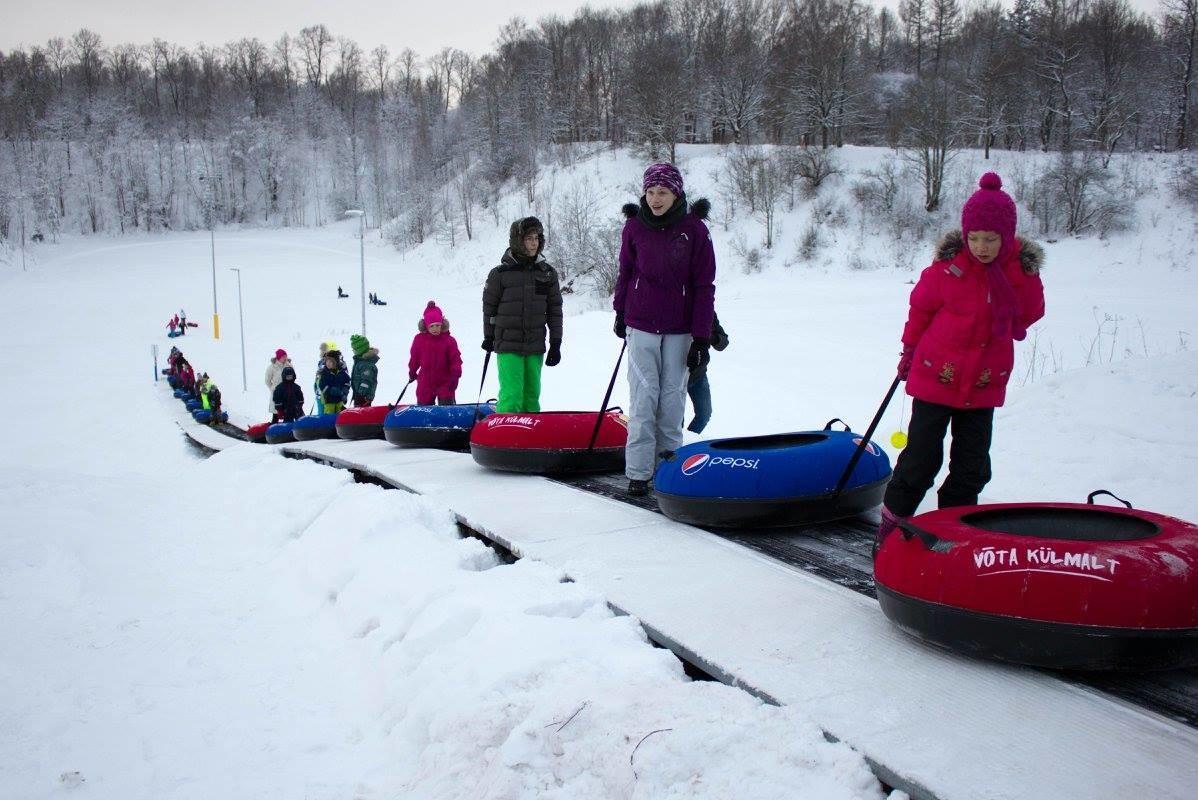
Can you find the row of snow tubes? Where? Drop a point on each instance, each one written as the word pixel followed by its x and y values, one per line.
pixel 1057 585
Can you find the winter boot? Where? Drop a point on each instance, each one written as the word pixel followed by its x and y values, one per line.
pixel 889 522
pixel 638 488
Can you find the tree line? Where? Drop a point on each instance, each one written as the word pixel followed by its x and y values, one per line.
pixel 115 138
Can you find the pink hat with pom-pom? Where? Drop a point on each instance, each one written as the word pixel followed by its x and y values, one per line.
pixel 432 314
pixel 991 209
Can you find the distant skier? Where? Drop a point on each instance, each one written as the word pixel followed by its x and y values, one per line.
pixel 333 383
pixel 364 379
pixel 288 397
pixel 522 301
pixel 664 303
pixel 697 385
pixel 341 294
pixel 274 374
pixel 978 298
pixel 182 322
pixel 173 325
pixel 435 362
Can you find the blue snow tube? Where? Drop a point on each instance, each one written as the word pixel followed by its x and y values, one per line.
pixel 446 427
pixel 172 381
pixel 280 433
pixel 771 481
pixel 179 393
pixel 315 426
pixel 204 416
pixel 193 404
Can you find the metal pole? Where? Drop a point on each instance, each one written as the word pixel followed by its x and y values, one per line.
pixel 215 314
pixel 241 325
pixel 362 252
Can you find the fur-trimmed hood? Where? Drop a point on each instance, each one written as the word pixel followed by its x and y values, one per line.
pixel 420 326
pixel 1031 254
pixel 700 208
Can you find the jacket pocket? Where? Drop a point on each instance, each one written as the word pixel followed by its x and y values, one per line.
pixel 541 287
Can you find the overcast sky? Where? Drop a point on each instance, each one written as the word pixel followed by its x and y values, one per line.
pixel 425 26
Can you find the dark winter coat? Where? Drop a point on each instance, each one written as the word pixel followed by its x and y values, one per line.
pixel 719 341
pixel 522 297
pixel 289 400
pixel 333 385
pixel 667 273
pixel 365 377
pixel 958 362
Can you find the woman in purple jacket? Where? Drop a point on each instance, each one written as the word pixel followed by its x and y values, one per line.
pixel 664 302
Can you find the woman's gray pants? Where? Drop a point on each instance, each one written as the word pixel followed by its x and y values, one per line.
pixel 657 376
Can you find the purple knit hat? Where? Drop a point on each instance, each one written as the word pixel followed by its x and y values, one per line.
pixel 666 175
pixel 992 209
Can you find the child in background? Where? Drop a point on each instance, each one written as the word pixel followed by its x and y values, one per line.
pixel 365 377
pixel 288 397
pixel 212 397
pixel 697 385
pixel 333 383
pixel 435 363
pixel 325 347
pixel 274 374
pixel 968 309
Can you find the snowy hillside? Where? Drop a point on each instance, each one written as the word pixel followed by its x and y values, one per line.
pixel 248 626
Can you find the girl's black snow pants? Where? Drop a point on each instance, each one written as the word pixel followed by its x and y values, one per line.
pixel 920 461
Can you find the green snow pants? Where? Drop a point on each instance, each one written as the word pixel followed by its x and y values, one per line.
pixel 519 382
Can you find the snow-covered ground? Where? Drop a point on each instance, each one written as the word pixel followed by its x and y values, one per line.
pixel 248 626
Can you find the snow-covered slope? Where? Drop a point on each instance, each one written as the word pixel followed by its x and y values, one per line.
pixel 177 633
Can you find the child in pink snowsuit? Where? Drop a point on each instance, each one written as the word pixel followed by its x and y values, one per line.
pixel 436 362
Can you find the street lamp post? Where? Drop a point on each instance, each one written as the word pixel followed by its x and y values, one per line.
pixel 210 211
pixel 241 325
pixel 361 215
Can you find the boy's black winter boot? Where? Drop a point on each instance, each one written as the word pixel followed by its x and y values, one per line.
pixel 637 488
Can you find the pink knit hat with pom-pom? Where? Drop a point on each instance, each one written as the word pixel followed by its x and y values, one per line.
pixel 991 209
pixel 433 315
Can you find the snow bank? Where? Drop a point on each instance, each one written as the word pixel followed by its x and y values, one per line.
pixel 265 627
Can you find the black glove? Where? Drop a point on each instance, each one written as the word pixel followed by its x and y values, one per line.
pixel 700 353
pixel 555 354
pixel 620 329
pixel 488 344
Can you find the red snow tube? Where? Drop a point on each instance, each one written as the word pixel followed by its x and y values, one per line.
pixel 363 423
pixel 257 433
pixel 1056 585
pixel 551 442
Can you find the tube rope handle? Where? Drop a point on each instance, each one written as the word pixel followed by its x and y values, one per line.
pixel 873 426
pixel 847 429
pixel 607 397
pixel 478 414
pixel 1090 497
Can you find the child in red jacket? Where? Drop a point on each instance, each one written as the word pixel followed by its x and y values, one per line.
pixel 968 309
pixel 436 362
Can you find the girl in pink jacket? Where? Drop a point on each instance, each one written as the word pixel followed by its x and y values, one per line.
pixel 968 309
pixel 436 362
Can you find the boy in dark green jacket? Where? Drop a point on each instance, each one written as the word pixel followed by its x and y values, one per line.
pixel 365 376
pixel 521 300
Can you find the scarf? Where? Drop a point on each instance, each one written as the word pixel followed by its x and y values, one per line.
pixel 676 212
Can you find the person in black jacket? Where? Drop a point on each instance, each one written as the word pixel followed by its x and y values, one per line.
pixel 289 398
pixel 697 385
pixel 522 299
